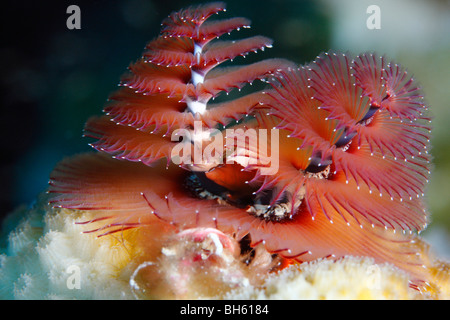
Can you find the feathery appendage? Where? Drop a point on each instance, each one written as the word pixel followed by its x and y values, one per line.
pixel 127 195
pixel 172 84
pixel 112 189
pixel 327 109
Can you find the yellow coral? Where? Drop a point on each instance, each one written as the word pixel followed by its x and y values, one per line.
pixel 440 288
pixel 347 278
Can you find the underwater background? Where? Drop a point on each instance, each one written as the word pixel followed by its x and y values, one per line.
pixel 53 78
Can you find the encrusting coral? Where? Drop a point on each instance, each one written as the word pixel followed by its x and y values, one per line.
pixel 49 257
pixel 347 278
pixel 342 173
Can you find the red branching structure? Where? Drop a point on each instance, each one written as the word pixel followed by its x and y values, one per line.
pixel 353 149
pixel 171 85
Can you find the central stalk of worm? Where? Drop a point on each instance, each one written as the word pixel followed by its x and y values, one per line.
pixel 197 76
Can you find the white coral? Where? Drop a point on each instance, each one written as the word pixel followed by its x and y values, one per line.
pixel 347 278
pixel 47 250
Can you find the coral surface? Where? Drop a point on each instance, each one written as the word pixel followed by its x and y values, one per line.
pixel 49 257
pixel 190 198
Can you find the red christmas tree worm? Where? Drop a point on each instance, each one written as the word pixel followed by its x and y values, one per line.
pixel 353 149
